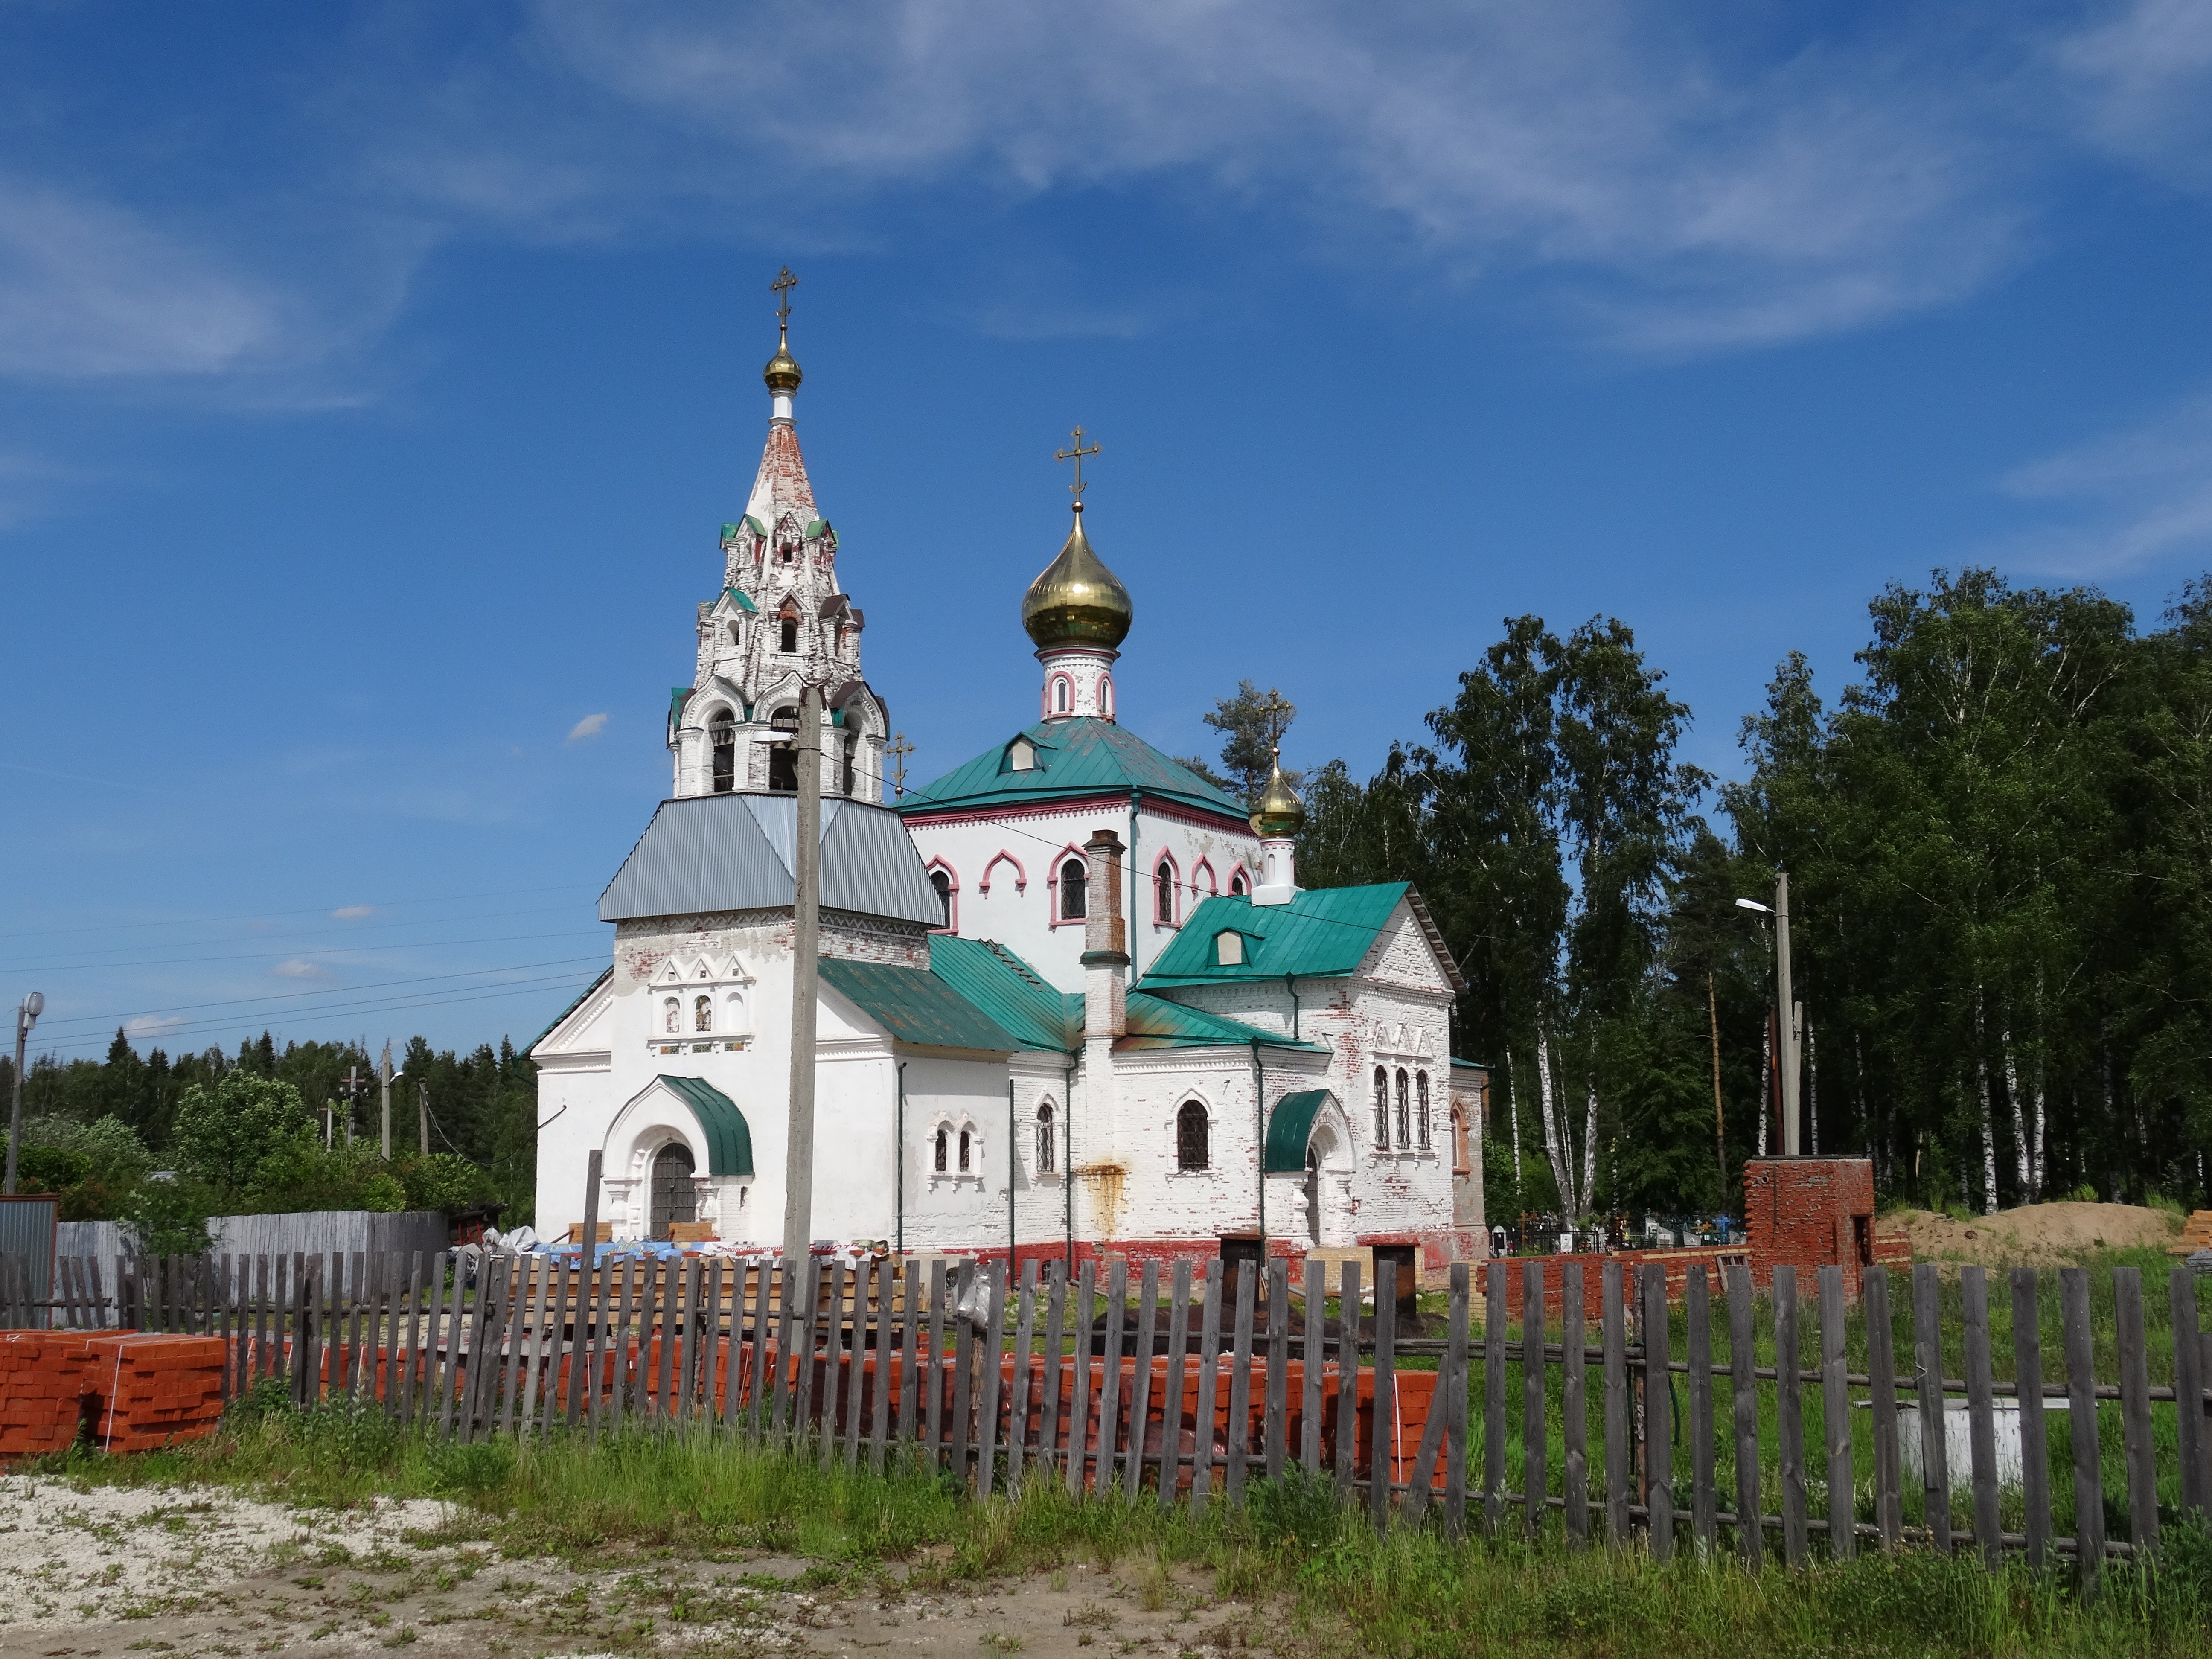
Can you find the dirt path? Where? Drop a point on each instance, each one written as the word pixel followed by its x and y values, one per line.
pixel 2034 1235
pixel 110 1572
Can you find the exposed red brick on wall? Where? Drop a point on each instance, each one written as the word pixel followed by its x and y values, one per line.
pixel 1810 1214
pixel 1678 1264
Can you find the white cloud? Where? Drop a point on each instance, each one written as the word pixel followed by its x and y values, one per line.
pixel 354 912
pixel 151 1025
pixel 299 968
pixel 2140 80
pixel 2124 500
pixel 590 726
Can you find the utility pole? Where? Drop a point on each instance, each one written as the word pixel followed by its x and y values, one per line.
pixel 1786 1031
pixel 386 1080
pixel 423 1114
pixel 26 1016
pixel 806 971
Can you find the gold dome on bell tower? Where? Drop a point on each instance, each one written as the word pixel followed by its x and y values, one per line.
pixel 1076 599
pixel 783 374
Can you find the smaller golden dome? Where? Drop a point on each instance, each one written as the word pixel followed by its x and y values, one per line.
pixel 782 371
pixel 1076 599
pixel 1280 812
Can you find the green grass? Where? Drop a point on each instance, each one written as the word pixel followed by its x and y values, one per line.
pixel 1329 1584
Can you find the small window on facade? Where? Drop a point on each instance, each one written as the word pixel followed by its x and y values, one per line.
pixel 942 881
pixel 1045 1149
pixel 964 1152
pixel 1405 1124
pixel 737 635
pixel 1381 1107
pixel 787 633
pixel 943 1138
pixel 1163 894
pixel 1071 879
pixel 703 1014
pixel 852 745
pixel 1021 756
pixel 722 738
pixel 1106 695
pixel 671 1017
pixel 1190 1136
pixel 1421 1106
pixel 1229 949
pixel 1236 886
pixel 1059 696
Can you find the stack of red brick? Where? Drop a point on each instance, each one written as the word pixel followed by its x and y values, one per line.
pixel 136 1390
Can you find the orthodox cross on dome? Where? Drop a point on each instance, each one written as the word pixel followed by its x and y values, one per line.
pixel 781 286
pixel 1076 454
pixel 898 750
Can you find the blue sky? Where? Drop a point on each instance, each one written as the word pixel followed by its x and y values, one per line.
pixel 373 380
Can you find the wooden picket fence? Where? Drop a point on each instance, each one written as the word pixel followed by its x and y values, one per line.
pixel 1010 1385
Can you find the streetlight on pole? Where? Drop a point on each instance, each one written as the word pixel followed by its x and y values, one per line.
pixel 1791 1017
pixel 26 1016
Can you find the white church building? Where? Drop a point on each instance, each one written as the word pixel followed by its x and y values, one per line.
pixel 1072 998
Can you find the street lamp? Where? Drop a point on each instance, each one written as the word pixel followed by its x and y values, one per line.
pixel 26 1016
pixel 1791 1015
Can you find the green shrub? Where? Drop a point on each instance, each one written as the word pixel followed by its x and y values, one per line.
pixel 473 1470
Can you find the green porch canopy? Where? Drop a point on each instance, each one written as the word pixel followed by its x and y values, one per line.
pixel 1289 1129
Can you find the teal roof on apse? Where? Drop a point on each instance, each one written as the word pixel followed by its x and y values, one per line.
pixel 1012 992
pixel 1075 757
pixel 915 1005
pixel 729 1137
pixel 1322 934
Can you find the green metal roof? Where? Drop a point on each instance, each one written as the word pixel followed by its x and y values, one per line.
pixel 1322 934
pixel 570 1009
pixel 1157 1023
pixel 677 696
pixel 915 1006
pixel 1074 757
pixel 1010 992
pixel 744 604
pixel 729 1137
pixel 1289 1128
pixel 816 527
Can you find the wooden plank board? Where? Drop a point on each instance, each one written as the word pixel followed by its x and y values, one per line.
pixel 1436 1433
pixel 963 1400
pixel 1790 1417
pixel 1659 1413
pixel 2135 1441
pixel 910 1360
pixel 1055 1339
pixel 1836 1417
pixel 1275 1409
pixel 1141 1377
pixel 987 1353
pixel 1614 1337
pixel 1110 1386
pixel 1385 1440
pixel 2034 1443
pixel 1574 1405
pixel 1348 1379
pixel 1078 1407
pixel 1239 1434
pixel 1316 1343
pixel 1535 1431
pixel 1928 1355
pixel 932 1383
pixel 1017 1408
pixel 1493 1397
pixel 1697 1335
pixel 2081 1426
pixel 833 1341
pixel 1169 1473
pixel 625 1310
pixel 1981 1412
pixel 887 1341
pixel 2189 1391
pixel 856 1392
pixel 1455 1362
pixel 1209 1384
pixel 1881 1370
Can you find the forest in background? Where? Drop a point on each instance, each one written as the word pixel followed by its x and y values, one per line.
pixel 1999 841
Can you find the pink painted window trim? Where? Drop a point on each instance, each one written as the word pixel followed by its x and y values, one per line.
pixel 1052 886
pixel 1174 917
pixel 1021 876
pixel 1205 867
pixel 1237 870
pixel 951 896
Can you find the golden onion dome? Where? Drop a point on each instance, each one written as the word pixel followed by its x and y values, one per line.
pixel 782 371
pixel 1280 812
pixel 1076 599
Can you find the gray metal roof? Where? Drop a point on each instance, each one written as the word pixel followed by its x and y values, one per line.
pixel 735 853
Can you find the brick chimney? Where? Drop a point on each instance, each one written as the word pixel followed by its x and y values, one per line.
pixel 1105 939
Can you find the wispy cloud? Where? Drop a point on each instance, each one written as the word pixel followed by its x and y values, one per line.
pixel 586 728
pixel 2140 81
pixel 300 968
pixel 2122 501
pixel 151 1025
pixel 354 912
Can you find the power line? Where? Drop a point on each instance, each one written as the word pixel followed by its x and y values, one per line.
pixel 263 915
pixel 278 949
pixel 279 940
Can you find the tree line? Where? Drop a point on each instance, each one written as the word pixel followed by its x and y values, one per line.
pixel 1999 841
pixel 163 1143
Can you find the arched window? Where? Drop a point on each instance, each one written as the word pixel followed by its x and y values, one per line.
pixel 1461 1163
pixel 1106 695
pixel 1236 885
pixel 1072 878
pixel 848 772
pixel 722 736
pixel 1381 1107
pixel 1061 694
pixel 965 1151
pixel 1163 894
pixel 1421 1106
pixel 736 633
pixel 783 755
pixel 703 1014
pixel 941 879
pixel 671 1017
pixel 1045 1149
pixel 1190 1136
pixel 674 1198
pixel 1404 1127
pixel 944 1138
pixel 787 631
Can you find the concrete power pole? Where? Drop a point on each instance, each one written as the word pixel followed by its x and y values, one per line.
pixel 386 1077
pixel 805 933
pixel 1788 1017
pixel 423 1114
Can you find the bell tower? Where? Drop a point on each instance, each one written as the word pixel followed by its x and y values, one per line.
pixel 1078 613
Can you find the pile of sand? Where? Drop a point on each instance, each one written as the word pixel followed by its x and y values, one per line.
pixel 2034 1235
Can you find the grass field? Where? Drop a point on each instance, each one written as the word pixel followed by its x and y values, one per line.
pixel 1326 1583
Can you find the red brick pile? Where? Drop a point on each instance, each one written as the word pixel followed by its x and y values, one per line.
pixel 138 1390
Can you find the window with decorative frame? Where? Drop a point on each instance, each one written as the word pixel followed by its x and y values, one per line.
pixel 1381 1107
pixel 1405 1109
pixel 1074 878
pixel 1421 1107
pixel 1191 1137
pixel 703 1013
pixel 1045 1149
pixel 943 1146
